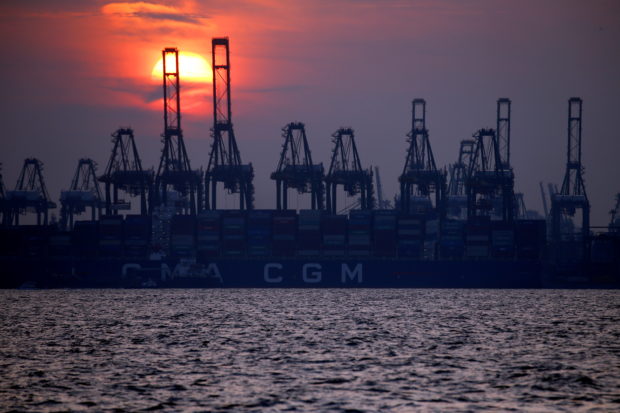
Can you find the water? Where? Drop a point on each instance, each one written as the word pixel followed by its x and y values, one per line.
pixel 310 350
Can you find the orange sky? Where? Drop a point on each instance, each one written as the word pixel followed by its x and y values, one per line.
pixel 78 69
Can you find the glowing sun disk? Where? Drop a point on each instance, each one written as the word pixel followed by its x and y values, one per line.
pixel 192 67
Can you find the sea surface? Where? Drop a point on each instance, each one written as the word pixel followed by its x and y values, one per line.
pixel 310 350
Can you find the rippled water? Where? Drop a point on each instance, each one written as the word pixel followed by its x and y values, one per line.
pixel 310 350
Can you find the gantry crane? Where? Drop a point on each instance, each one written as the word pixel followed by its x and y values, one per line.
pixel 346 169
pixel 30 195
pixel 487 181
pixel 572 196
pixel 83 193
pixel 225 160
pixel 296 169
pixel 421 179
pixel 614 224
pixel 456 198
pixel 490 180
pixel 124 173
pixel 175 172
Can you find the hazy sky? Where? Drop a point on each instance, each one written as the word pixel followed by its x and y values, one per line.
pixel 73 71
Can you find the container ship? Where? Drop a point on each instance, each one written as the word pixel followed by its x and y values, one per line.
pixel 463 226
pixel 271 248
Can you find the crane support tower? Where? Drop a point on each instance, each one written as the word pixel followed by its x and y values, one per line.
pixel 572 196
pixel 83 193
pixel 29 195
pixel 296 169
pixel 346 169
pixel 456 198
pixel 421 179
pixel 124 173
pixel 503 131
pixel 225 160
pixel 174 172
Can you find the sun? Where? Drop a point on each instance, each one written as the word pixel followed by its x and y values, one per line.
pixel 192 67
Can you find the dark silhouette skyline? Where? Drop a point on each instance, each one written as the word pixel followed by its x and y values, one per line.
pixel 75 71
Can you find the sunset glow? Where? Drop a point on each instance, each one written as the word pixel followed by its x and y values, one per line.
pixel 192 67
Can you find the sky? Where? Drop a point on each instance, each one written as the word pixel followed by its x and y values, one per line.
pixel 73 71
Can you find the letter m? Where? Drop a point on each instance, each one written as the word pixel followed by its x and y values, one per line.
pixel 347 274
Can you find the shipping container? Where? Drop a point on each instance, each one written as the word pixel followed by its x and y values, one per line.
pixel 85 238
pixel 384 233
pixel 208 234
pixel 452 240
pixel 309 236
pixel 183 236
pixel 259 228
pixel 530 239
pixel 478 238
pixel 359 233
pixel 60 245
pixel 137 235
pixel 34 240
pixel 234 233
pixel 334 235
pixel 284 233
pixel 410 236
pixel 502 240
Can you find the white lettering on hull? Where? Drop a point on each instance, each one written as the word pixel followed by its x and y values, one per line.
pixel 314 276
pixel 347 274
pixel 213 271
pixel 268 276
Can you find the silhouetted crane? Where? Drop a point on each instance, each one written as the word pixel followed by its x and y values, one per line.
pixel 225 159
pixel 346 169
pixel 83 193
pixel 175 172
pixel 296 169
pixel 30 195
pixel 456 198
pixel 124 173
pixel 490 182
pixel 572 196
pixel 421 178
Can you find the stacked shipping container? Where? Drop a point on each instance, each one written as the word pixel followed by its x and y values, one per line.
pixel 384 231
pixel 111 233
pixel 334 235
pixel 233 233
pixel 309 233
pixel 259 233
pixel 284 233
pixel 359 234
pixel 208 234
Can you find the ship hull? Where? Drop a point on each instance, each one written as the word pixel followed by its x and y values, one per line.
pixel 273 273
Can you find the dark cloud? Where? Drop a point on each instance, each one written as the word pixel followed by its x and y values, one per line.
pixel 182 18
